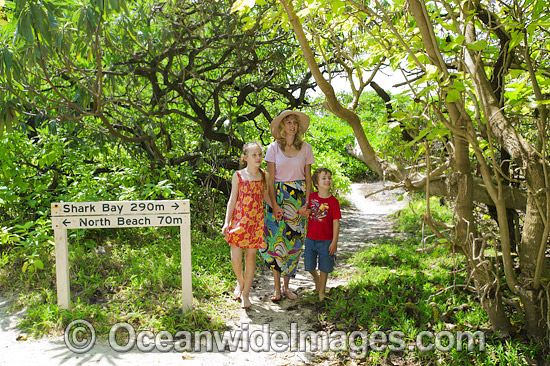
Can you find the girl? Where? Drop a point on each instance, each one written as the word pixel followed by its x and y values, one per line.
pixel 244 219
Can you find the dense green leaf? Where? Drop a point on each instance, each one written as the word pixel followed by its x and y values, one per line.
pixel 477 45
pixel 7 58
pixel 40 19
pixel 517 37
pixel 24 28
pixel 452 96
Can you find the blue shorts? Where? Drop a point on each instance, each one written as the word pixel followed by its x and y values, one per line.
pixel 318 249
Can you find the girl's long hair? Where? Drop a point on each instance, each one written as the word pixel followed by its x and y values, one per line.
pixel 243 164
pixel 281 140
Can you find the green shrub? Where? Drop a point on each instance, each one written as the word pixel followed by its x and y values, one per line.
pixel 410 218
pixel 329 136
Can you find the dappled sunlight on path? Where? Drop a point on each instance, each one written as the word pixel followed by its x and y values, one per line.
pixel 365 219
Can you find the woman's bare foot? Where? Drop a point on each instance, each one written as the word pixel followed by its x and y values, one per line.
pixel 291 295
pixel 245 302
pixel 276 295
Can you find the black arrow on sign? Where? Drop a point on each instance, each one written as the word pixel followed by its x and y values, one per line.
pixel 176 204
pixel 65 222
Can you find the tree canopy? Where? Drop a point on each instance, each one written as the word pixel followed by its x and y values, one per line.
pixel 147 73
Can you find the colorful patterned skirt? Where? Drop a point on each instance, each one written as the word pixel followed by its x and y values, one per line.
pixel 285 238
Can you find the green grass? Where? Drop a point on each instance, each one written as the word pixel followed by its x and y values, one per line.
pixel 394 288
pixel 133 276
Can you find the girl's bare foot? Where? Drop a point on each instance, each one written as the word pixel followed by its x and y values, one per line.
pixel 245 302
pixel 237 292
pixel 291 295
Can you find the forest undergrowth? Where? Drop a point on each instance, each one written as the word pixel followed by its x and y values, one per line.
pixel 394 289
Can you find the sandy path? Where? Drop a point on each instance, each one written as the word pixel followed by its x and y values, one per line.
pixel 364 220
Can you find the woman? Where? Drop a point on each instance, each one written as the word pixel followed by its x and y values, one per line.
pixel 289 161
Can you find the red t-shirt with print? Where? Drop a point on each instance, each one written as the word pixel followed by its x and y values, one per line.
pixel 323 212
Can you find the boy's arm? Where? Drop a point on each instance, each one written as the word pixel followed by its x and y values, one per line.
pixel 335 232
pixel 231 203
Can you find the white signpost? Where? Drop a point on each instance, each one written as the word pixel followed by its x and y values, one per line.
pixel 119 214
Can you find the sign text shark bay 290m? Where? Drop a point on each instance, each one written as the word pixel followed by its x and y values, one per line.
pixel 119 214
pixel 119 207
pixel 104 207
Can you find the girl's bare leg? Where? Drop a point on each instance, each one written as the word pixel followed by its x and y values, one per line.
pixel 249 268
pixel 237 263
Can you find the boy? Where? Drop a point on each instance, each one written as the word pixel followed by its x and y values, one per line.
pixel 322 230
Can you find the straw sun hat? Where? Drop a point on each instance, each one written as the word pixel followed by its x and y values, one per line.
pixel 303 120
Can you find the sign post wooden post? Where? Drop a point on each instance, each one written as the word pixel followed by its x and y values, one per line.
pixel 119 214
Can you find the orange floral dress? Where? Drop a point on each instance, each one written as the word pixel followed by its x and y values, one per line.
pixel 247 225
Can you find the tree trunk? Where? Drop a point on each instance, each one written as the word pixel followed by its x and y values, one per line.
pixel 534 301
pixel 466 231
pixel 494 307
